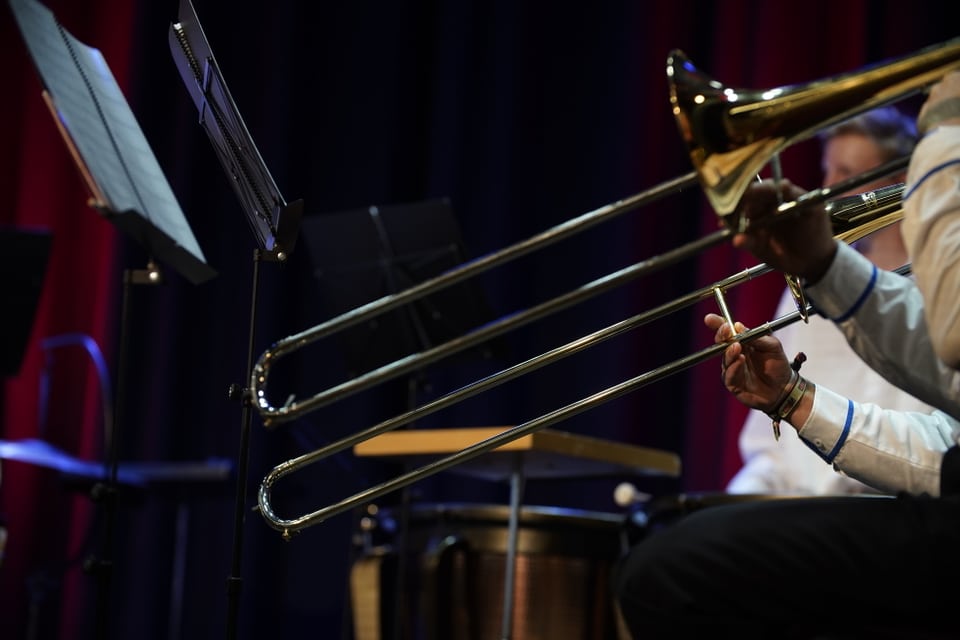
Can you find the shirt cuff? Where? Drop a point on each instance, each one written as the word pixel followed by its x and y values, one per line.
pixel 828 425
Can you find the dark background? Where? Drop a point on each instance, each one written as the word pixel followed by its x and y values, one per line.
pixel 521 115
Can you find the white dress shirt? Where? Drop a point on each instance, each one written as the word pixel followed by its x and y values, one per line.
pixel 788 466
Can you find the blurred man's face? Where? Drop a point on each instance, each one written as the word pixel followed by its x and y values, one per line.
pixel 850 154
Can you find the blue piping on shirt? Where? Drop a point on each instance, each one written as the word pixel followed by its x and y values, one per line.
pixel 862 298
pixel 843 435
pixel 928 174
pixel 828 457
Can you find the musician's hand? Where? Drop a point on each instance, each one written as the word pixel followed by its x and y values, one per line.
pixel 755 372
pixel 800 243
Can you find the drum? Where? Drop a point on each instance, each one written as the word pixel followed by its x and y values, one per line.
pixel 445 579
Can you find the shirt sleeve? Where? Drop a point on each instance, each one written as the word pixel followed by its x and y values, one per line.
pixel 888 450
pixel 881 314
pixel 931 232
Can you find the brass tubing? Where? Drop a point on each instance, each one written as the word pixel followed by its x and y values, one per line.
pixel 259 377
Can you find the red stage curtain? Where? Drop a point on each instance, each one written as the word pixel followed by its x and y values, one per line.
pixel 43 190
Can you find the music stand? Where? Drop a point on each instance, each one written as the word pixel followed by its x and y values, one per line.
pixel 127 186
pixel 24 255
pixel 113 156
pixel 274 223
pixel 364 254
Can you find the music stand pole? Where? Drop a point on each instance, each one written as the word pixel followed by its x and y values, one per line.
pixel 275 223
pixel 106 492
pixel 241 393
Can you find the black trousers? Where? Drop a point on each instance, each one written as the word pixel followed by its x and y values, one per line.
pixel 844 567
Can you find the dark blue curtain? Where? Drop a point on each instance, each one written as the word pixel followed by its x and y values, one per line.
pixel 522 115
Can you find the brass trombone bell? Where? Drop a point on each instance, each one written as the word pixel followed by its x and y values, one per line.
pixel 732 133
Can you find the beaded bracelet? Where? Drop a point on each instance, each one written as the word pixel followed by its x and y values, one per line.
pixel 790 397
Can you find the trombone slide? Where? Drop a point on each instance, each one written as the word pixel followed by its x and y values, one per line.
pixel 731 134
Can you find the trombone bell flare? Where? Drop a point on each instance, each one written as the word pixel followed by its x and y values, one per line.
pixel 732 133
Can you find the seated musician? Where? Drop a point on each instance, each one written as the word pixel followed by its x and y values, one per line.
pixel 786 465
pixel 841 566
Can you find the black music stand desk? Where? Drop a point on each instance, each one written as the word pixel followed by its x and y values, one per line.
pixel 364 254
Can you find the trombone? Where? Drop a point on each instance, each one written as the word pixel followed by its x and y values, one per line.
pixel 731 134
